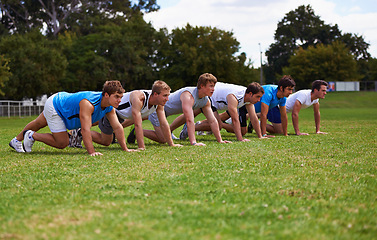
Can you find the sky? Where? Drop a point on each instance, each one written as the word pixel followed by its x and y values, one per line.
pixel 253 22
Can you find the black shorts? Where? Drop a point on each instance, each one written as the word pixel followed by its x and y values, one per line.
pixel 242 111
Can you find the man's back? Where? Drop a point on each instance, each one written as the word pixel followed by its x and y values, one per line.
pixel 222 90
pixel 174 105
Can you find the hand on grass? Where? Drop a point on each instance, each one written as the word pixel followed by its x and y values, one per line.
pixel 131 150
pixel 96 154
pixel 245 140
pixel 319 132
pixel 199 144
pixel 225 141
pixel 176 145
pixel 300 134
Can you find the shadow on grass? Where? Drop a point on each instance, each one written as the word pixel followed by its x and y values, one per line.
pixel 49 153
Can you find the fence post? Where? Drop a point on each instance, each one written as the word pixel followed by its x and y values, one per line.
pixel 8 109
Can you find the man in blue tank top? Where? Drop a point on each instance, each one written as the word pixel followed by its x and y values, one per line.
pixel 64 111
pixel 273 100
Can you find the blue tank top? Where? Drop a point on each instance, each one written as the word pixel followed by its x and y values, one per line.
pixel 269 97
pixel 68 108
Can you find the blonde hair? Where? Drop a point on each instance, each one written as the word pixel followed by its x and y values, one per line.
pixel 206 78
pixel 158 86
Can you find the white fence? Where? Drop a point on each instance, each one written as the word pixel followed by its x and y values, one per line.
pixel 20 108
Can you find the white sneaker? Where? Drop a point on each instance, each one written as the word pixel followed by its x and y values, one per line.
pixel 28 140
pixel 200 133
pixel 184 134
pixel 16 145
pixel 174 137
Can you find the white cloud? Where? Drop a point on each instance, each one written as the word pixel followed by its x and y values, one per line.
pixel 255 21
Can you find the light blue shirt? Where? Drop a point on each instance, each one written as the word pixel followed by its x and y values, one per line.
pixel 269 97
pixel 67 105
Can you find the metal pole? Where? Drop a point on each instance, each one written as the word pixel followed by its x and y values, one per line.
pixel 261 68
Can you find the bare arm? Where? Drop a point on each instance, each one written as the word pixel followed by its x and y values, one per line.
pixel 295 112
pixel 181 119
pixel 233 112
pixel 254 120
pixel 263 117
pixel 284 119
pixel 137 101
pixel 317 118
pixel 118 129
pixel 207 111
pixel 86 110
pixel 187 103
pixel 165 126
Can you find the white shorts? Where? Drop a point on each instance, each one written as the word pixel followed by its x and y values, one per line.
pixel 54 121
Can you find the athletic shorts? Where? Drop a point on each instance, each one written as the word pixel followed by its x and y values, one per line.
pixel 54 121
pixel 242 111
pixel 105 126
pixel 273 115
pixel 154 119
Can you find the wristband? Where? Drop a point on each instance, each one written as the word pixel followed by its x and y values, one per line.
pixel 194 143
pixel 264 135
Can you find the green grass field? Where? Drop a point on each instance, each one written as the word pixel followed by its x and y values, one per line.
pixel 307 187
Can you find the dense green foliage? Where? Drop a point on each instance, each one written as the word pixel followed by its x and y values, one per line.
pixel 295 187
pixel 331 62
pixel 59 15
pixel 70 45
pixel 196 50
pixel 36 66
pixel 4 73
pixel 109 40
pixel 302 28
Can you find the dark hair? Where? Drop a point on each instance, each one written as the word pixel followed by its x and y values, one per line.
pixel 111 87
pixel 159 85
pixel 206 78
pixel 254 88
pixel 317 84
pixel 286 81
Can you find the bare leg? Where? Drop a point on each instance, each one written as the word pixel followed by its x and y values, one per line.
pixel 57 140
pixel 102 138
pixel 275 128
pixel 156 135
pixel 180 120
pixel 35 125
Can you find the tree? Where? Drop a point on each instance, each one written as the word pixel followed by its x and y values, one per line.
pixel 191 51
pixel 113 51
pixel 36 67
pixel 57 15
pixel 4 73
pixel 327 62
pixel 302 28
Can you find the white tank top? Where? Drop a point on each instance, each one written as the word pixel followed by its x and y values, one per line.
pixel 124 110
pixel 174 105
pixel 222 90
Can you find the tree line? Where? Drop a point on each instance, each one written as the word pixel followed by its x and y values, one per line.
pixel 70 45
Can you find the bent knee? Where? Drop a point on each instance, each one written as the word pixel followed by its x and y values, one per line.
pixel 62 144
